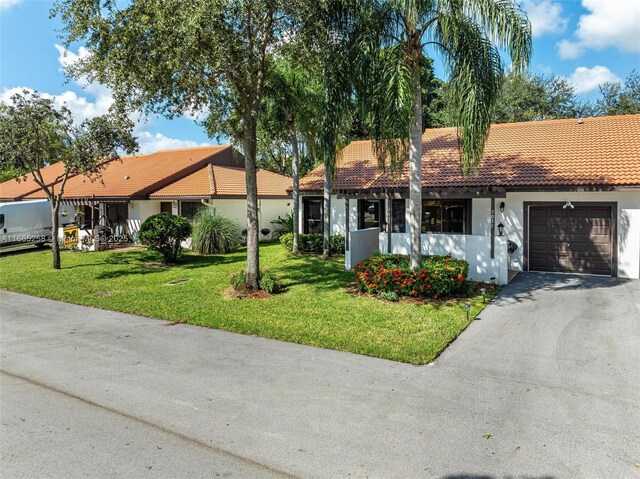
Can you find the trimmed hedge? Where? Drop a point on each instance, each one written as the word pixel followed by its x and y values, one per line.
pixel 165 233
pixel 438 276
pixel 313 243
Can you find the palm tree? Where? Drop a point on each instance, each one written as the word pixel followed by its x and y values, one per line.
pixel 335 37
pixel 289 108
pixel 467 34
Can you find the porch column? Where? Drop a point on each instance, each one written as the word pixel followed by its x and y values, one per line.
pixel 493 227
pixel 346 219
pixel 389 225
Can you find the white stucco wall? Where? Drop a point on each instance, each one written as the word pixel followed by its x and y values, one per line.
pixel 363 244
pixel 236 209
pixel 140 211
pixel 475 249
pixel 268 210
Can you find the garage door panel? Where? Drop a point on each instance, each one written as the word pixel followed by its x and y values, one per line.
pixel 570 240
pixel 589 248
pixel 592 267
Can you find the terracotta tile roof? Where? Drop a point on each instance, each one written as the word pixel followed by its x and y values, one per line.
pixel 219 181
pixel 602 151
pixel 135 176
pixel 13 190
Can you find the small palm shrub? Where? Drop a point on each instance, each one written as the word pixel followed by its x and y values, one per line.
pixel 284 224
pixel 437 277
pixel 313 243
pixel 165 233
pixel 214 233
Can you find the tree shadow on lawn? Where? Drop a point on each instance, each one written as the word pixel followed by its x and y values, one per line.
pixel 313 271
pixel 151 263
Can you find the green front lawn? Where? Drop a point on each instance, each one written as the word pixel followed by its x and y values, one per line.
pixel 316 309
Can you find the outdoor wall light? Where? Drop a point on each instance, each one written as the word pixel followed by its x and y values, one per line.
pixel 500 229
pixel 568 205
pixel 502 207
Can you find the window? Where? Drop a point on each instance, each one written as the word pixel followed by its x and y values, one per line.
pixel 312 215
pixel 117 213
pixel 370 214
pixel 86 217
pixel 445 216
pixel 188 209
pixel 2 220
pixel 166 207
pixel 398 216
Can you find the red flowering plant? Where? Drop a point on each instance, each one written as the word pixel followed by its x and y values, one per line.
pixel 437 277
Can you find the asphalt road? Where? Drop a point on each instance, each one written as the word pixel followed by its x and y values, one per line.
pixel 545 384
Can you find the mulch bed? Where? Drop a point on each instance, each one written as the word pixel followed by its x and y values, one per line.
pixel 234 294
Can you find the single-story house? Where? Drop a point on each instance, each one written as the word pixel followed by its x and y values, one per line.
pixel 564 193
pixel 180 182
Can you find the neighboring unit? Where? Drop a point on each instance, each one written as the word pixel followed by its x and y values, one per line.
pixel 564 193
pixel 180 182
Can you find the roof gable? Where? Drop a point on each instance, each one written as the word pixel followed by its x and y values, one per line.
pixel 135 176
pixel 224 181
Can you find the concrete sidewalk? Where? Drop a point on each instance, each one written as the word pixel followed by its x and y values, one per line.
pixel 545 384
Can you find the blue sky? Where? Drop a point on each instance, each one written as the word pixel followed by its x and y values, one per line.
pixel 586 41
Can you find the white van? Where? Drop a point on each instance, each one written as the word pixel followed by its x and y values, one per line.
pixel 29 222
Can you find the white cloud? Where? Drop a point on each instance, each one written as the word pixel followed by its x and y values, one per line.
pixel 83 108
pixel 585 80
pixel 545 16
pixel 7 4
pixel 568 50
pixel 80 107
pixel 150 142
pixel 610 23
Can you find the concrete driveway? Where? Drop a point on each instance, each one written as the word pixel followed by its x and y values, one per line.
pixel 545 384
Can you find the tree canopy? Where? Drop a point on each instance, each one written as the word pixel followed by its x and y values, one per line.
pixel 620 99
pixel 35 134
pixel 177 56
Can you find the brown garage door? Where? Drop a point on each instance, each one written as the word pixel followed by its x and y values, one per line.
pixel 570 240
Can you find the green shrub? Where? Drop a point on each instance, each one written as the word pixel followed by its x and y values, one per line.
pixel 268 281
pixel 165 233
pixel 313 243
pixel 437 277
pixel 214 233
pixel 238 281
pixel 389 296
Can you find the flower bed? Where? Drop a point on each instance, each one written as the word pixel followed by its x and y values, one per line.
pixel 391 275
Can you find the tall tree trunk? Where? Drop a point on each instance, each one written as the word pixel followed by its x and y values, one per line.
pixel 296 188
pixel 253 253
pixel 55 245
pixel 415 172
pixel 326 209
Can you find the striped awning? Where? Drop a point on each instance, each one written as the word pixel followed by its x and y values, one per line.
pixel 91 201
